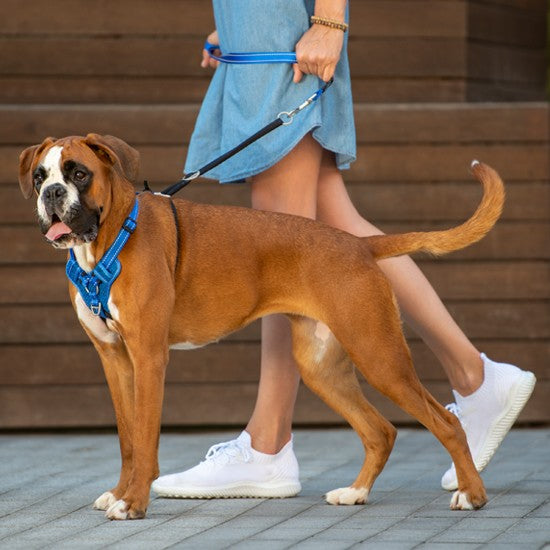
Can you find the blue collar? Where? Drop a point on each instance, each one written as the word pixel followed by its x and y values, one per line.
pixel 95 287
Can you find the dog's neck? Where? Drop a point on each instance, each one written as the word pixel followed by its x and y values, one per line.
pixel 88 254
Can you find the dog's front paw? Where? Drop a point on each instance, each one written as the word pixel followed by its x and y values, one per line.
pixel 118 510
pixel 122 510
pixel 462 500
pixel 105 501
pixel 347 495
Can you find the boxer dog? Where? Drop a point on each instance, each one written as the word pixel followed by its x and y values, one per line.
pixel 192 274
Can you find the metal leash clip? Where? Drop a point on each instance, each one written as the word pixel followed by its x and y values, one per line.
pixel 291 114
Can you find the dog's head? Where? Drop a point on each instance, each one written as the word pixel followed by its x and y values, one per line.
pixel 72 179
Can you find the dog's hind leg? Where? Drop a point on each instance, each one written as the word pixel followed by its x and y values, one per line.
pixel 384 359
pixel 327 370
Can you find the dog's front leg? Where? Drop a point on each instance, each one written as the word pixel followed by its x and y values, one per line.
pixel 119 373
pixel 149 364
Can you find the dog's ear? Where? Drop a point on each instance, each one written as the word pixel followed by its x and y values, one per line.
pixel 26 160
pixel 113 150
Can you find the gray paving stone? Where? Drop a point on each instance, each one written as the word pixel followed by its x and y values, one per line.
pixel 49 482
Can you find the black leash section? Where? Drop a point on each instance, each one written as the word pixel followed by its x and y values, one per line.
pixel 283 119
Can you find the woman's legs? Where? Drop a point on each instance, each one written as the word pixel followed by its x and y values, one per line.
pixel 291 187
pixel 421 307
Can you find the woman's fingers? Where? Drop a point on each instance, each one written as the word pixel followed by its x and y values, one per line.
pixel 207 61
pixel 318 52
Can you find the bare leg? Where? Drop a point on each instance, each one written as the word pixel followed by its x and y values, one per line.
pixel 291 187
pixel 422 308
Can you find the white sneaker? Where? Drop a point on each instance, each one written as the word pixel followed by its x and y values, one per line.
pixel 488 414
pixel 235 470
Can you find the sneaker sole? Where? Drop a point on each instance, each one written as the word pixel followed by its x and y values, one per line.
pixel 521 393
pixel 231 491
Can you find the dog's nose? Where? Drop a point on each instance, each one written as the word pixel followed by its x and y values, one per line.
pixel 55 192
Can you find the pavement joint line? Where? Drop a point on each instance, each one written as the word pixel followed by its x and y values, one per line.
pixel 203 503
pixel 261 531
pixel 68 538
pixel 472 514
pixel 34 502
pixel 387 495
pixel 49 520
pixel 49 475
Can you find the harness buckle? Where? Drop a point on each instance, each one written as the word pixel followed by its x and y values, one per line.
pixel 129 225
pixel 96 309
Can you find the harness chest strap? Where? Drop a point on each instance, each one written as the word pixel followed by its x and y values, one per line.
pixel 95 286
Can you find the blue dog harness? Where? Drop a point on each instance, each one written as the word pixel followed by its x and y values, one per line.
pixel 95 287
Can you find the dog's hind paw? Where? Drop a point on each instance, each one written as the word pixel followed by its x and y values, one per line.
pixel 469 500
pixel 347 495
pixel 461 501
pixel 105 501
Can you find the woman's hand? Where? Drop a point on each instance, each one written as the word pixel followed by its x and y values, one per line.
pixel 318 52
pixel 207 61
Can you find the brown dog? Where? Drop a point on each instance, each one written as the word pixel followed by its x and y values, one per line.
pixel 192 274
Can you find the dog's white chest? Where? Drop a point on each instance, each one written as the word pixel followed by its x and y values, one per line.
pixel 94 323
pixel 186 345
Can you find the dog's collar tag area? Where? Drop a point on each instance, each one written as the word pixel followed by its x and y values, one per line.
pixel 95 287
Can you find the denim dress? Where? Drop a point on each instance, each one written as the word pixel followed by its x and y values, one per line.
pixel 241 99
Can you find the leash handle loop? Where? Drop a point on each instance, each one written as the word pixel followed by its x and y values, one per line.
pixel 249 58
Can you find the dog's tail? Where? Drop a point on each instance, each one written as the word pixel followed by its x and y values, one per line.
pixel 441 242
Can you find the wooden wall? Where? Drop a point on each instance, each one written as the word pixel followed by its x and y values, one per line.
pixel 111 67
pixel 138 51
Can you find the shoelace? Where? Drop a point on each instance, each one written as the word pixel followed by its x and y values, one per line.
pixel 456 410
pixel 228 452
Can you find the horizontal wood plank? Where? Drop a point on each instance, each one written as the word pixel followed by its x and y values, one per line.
pixel 93 89
pixel 506 241
pixel 57 324
pixel 225 362
pixel 30 89
pixel 498 24
pixel 434 124
pixel 103 17
pixel 131 56
pixel 444 202
pixel 197 405
pixel 504 64
pixel 527 280
pixel 375 163
pixel 535 6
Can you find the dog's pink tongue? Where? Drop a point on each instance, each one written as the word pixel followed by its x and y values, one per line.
pixel 57 230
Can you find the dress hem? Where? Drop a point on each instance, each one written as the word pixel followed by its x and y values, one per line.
pixel 239 177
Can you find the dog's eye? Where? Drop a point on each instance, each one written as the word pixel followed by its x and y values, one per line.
pixel 80 175
pixel 37 181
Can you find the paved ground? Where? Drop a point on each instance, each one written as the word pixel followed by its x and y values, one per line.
pixel 48 482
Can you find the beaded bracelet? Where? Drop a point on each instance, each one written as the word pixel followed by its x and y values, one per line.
pixel 329 23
